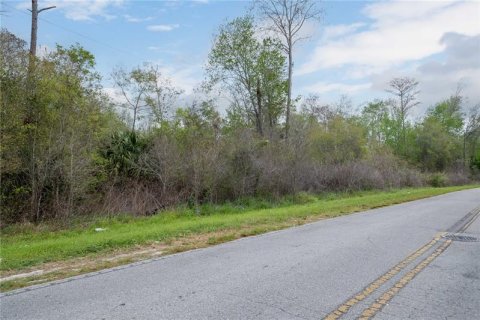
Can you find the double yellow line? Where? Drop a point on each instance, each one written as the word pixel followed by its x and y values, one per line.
pixel 369 312
pixel 362 295
pixel 379 303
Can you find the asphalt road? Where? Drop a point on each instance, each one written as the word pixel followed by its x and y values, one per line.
pixel 359 265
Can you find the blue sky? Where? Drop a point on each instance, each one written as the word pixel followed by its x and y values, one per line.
pixel 357 48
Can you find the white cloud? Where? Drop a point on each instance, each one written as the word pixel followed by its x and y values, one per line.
pixel 80 10
pixel 114 94
pixel 342 88
pixel 163 27
pixel 439 79
pixel 133 19
pixel 399 32
pixel 266 29
pixel 462 67
pixel 185 78
pixel 394 11
pixel 339 30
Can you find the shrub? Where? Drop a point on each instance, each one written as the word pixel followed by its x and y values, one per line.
pixel 303 197
pixel 457 178
pixel 122 152
pixel 438 180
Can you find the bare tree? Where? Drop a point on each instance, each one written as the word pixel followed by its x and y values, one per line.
pixel 287 18
pixel 314 107
pixel 406 92
pixel 134 85
pixel 146 93
pixel 162 95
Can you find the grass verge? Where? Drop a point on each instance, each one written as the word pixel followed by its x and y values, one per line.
pixel 172 231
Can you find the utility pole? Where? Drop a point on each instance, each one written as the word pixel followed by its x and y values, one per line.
pixel 31 115
pixel 33 35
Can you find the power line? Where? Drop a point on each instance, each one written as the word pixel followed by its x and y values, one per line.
pixel 76 33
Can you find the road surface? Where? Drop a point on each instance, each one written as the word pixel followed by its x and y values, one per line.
pixel 411 260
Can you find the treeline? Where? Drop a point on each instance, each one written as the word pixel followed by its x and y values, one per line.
pixel 67 149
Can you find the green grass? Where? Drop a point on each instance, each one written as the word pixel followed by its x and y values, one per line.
pixel 30 247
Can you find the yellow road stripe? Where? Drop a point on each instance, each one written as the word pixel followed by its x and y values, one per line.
pixel 369 312
pixel 341 310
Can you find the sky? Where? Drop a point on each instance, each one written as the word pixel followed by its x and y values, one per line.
pixel 355 50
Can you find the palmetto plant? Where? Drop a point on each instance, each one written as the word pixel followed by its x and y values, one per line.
pixel 123 152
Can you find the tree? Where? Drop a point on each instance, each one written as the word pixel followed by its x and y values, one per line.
pixel 13 75
pixel 471 136
pixel 162 96
pixel 272 84
pixel 287 18
pixel 45 178
pixel 73 114
pixel 147 94
pixel 313 107
pixel 405 91
pixel 449 114
pixel 14 56
pixel 197 134
pixel 436 148
pixel 14 146
pixel 252 71
pixel 341 141
pixel 377 122
pixel 134 86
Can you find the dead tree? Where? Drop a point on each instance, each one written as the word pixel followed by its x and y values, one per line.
pixel 287 18
pixel 406 92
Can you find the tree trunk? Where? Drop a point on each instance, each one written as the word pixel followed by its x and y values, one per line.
pixel 259 114
pixel 289 92
pixel 134 119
